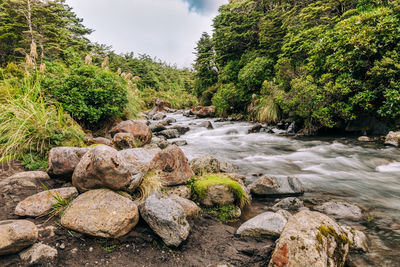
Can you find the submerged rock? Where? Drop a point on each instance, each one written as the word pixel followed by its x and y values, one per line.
pixel 268 224
pixel 180 142
pixel 311 239
pixel 340 209
pixel 166 218
pixel 16 235
pixel 63 161
pixel 101 213
pixel 274 186
pixel 40 254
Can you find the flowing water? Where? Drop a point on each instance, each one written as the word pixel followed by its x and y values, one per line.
pixel 365 174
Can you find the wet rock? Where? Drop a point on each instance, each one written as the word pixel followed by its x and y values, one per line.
pixel 285 214
pixel 207 124
pixel 218 195
pixel 161 142
pixel 292 128
pixel 169 133
pixel 166 218
pixel 180 190
pixel 139 129
pixel 42 203
pixel 340 209
pixel 158 116
pixel 157 127
pixel 365 139
pixel 16 235
pixel 180 142
pixel 174 167
pixel 255 128
pixel 358 240
pixel 100 141
pixel 125 141
pixel 181 129
pixel 104 167
pixel 227 167
pixel 290 203
pixel 40 254
pixel 190 208
pixel 101 213
pixel 204 112
pixel 311 239
pixel 170 120
pixel 392 138
pixel 63 161
pixel 274 186
pixel 267 224
pixel 205 164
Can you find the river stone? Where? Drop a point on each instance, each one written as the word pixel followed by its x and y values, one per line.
pixel 101 213
pixel 174 167
pixel 274 186
pixel 218 195
pixel 340 209
pixel 42 203
pixel 158 116
pixel 290 203
pixel 166 218
pixel 181 129
pixel 358 240
pixel 205 164
pixel 16 235
pixel 139 129
pixel 190 208
pixel 393 138
pixel 170 120
pixel 255 128
pixel 100 141
pixel 124 141
pixel 227 167
pixel 180 142
pixel 180 190
pixel 40 254
pixel 169 133
pixel 157 127
pixel 285 214
pixel 104 167
pixel 311 239
pixel 267 224
pixel 63 161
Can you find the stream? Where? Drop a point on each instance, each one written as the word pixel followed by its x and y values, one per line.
pixel 366 174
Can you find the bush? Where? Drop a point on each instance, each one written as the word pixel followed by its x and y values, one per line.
pixel 255 73
pixel 228 99
pixel 178 98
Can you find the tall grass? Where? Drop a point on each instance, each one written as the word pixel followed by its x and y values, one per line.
pixel 267 110
pixel 30 127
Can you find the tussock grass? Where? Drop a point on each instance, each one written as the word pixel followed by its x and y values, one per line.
pixel 151 182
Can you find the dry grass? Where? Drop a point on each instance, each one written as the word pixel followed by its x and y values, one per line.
pixel 151 182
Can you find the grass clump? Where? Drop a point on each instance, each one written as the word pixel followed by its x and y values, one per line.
pixel 226 213
pixel 200 187
pixel 151 182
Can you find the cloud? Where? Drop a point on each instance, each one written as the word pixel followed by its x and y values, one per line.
pixel 203 6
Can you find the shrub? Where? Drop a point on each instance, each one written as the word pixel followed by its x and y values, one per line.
pixel 178 98
pixel 228 99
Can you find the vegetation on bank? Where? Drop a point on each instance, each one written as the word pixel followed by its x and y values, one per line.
pixel 320 63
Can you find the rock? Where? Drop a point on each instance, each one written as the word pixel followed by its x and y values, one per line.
pixel 274 186
pixel 340 209
pixel 139 129
pixel 104 167
pixel 190 208
pixel 16 235
pixel 311 239
pixel 267 224
pixel 99 141
pixel 180 142
pixel 174 167
pixel 160 105
pixel 169 133
pixel 39 253
pixel 358 240
pixel 27 176
pixel 285 214
pixel 125 141
pixel 63 160
pixel 218 195
pixel 204 112
pixel 161 142
pixel 205 164
pixel 101 213
pixel 227 167
pixel 292 128
pixel 392 138
pixel 206 124
pixel 180 190
pixel 181 129
pixel 166 218
pixel 365 139
pixel 290 203
pixel 42 203
pixel 255 128
pixel 170 120
pixel 158 116
pixel 157 127
pixel 367 124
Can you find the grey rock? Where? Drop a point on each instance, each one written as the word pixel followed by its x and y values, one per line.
pixel 169 133
pixel 267 224
pixel 181 129
pixel 285 214
pixel 207 124
pixel 16 235
pixel 158 116
pixel 340 209
pixel 100 141
pixel 170 120
pixel 190 208
pixel 157 127
pixel 125 141
pixel 63 161
pixel 290 203
pixel 39 253
pixel 180 190
pixel 218 195
pixel 255 128
pixel 205 164
pixel 274 186
pixel 180 142
pixel 358 240
pixel 227 167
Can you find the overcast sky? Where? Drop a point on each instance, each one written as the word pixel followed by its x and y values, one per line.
pixel 166 29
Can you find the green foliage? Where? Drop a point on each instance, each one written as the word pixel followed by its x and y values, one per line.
pixel 228 99
pixel 255 73
pixel 178 99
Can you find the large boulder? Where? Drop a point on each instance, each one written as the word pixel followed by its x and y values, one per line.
pixel 274 186
pixel 42 203
pixel 267 224
pixel 39 254
pixel 16 235
pixel 141 132
pixel 174 167
pixel 101 213
pixel 104 167
pixel 205 164
pixel 311 239
pixel 125 141
pixel 63 161
pixel 393 138
pixel 166 218
pixel 340 209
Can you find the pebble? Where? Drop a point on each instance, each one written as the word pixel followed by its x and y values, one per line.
pixel 62 246
pixel 90 249
pixel 74 250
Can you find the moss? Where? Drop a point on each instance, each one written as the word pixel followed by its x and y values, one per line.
pixel 319 238
pixel 226 213
pixel 292 238
pixel 329 230
pixel 200 187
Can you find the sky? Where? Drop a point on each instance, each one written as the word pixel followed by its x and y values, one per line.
pixel 166 29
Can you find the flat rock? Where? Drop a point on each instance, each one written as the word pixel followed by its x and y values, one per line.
pixel 42 203
pixel 139 129
pixel 39 253
pixel 63 161
pixel 205 164
pixel 340 209
pixel 166 218
pixel 274 186
pixel 267 224
pixel 311 239
pixel 16 235
pixel 101 213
